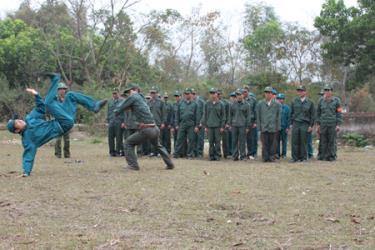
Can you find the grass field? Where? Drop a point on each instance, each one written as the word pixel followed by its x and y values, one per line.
pixel 91 202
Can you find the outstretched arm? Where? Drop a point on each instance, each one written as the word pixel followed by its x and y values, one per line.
pixel 39 102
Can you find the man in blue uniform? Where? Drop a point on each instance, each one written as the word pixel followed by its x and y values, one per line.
pixel 36 131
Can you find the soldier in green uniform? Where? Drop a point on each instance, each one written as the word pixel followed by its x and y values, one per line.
pixel 302 121
pixel 225 134
pixel 61 90
pixel 166 131
pixel 232 99
pixel 148 131
pixel 252 134
pixel 199 149
pixel 239 121
pixel 268 122
pixel 157 109
pixel 114 126
pixel 329 119
pixel 187 124
pixel 177 96
pixel 213 120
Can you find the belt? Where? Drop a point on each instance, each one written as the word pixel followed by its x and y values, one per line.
pixel 151 125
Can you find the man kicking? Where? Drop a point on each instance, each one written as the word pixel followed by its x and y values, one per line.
pixel 147 129
pixel 36 131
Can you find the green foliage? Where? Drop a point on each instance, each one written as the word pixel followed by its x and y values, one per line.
pixel 356 140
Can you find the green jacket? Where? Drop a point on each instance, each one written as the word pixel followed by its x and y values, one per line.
pixel 227 105
pixel 200 105
pixel 130 120
pixel 329 112
pixel 157 108
pixel 169 114
pixel 268 116
pixel 137 104
pixel 175 110
pixel 239 114
pixel 302 111
pixel 187 114
pixel 111 117
pixel 253 103
pixel 214 115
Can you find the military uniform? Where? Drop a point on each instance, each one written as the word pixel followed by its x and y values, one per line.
pixel 157 109
pixel 186 121
pixel 65 137
pixel 302 118
pixel 225 135
pixel 199 149
pixel 329 116
pixel 214 117
pixel 166 131
pixel 268 122
pixel 148 131
pixel 285 124
pixel 252 135
pixel 239 120
pixel 115 136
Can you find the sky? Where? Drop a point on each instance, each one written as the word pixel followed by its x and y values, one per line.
pixel 300 11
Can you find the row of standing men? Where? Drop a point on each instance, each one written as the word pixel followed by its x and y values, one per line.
pixel 232 125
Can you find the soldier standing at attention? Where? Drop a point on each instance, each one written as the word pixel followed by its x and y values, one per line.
pixel 225 134
pixel 329 119
pixel 232 99
pixel 302 122
pixel 213 119
pixel 61 91
pixel 268 122
pixel 148 131
pixel 166 131
pixel 157 109
pixel 199 149
pixel 252 134
pixel 177 96
pixel 187 123
pixel 285 123
pixel 239 120
pixel 114 126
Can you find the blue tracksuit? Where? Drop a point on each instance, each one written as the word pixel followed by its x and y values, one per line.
pixel 38 131
pixel 285 123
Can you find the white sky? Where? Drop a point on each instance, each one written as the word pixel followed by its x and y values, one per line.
pixel 301 11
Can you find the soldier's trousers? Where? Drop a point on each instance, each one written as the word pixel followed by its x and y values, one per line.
pixel 214 138
pixel 200 143
pixel 268 146
pixel 252 142
pixel 327 143
pixel 58 142
pixel 226 142
pixel 282 143
pixel 239 142
pixel 184 149
pixel 185 133
pixel 299 141
pixel 115 137
pixel 310 148
pixel 229 142
pixel 147 134
pixel 166 138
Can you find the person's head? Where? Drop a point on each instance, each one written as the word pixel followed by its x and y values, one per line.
pixel 280 98
pixel 61 89
pixel 328 90
pixel 301 91
pixel 188 94
pixel 154 92
pixel 219 93
pixel 16 125
pixel 177 95
pixel 213 94
pixel 193 94
pixel 245 91
pixel 232 96
pixel 131 89
pixel 115 94
pixel 239 95
pixel 268 95
pixel 165 97
pixel 274 93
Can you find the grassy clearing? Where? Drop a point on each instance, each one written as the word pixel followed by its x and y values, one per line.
pixel 90 202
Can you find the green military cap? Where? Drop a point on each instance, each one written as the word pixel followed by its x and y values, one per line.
pixel 252 95
pixel 154 89
pixel 62 85
pixel 268 89
pixel 115 90
pixel 274 91
pixel 301 88
pixel 165 94
pixel 130 86
pixel 280 96
pixel 213 90
pixel 232 94
pixel 10 126
pixel 239 91
pixel 177 93
pixel 188 91
pixel 328 86
pixel 246 88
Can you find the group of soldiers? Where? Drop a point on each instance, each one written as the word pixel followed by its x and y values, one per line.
pixel 232 125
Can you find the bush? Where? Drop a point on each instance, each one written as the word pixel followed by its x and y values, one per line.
pixel 356 140
pixel 361 100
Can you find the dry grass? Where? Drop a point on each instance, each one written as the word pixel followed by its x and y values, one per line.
pixel 95 204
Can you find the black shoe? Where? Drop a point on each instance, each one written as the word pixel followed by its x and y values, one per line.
pixel 293 161
pixel 58 156
pixel 122 154
pixel 99 105
pixel 66 156
pixel 169 167
pixel 132 168
pixel 235 159
pixel 113 154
